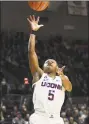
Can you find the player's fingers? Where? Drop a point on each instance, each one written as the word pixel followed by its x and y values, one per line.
pixel 63 68
pixel 28 20
pixel 33 17
pixel 41 25
pixel 38 18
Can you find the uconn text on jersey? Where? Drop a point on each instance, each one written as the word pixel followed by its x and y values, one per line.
pixel 51 85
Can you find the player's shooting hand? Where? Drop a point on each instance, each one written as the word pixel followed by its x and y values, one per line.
pixel 60 70
pixel 33 22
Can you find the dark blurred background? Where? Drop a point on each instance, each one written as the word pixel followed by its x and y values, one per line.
pixel 63 38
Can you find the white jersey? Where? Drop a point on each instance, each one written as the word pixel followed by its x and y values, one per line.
pixel 49 95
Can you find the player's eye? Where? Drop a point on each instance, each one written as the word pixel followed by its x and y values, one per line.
pixel 52 62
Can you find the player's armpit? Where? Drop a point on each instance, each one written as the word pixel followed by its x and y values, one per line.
pixel 36 77
pixel 66 83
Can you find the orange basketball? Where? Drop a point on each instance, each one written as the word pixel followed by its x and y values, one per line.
pixel 38 5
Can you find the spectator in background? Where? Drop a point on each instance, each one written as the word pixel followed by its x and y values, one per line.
pixel 3 87
pixel 76 114
pixel 63 114
pixel 15 111
pixel 2 112
pixel 18 119
pixel 24 111
pixel 66 121
pixel 68 112
pixel 71 120
pixel 80 120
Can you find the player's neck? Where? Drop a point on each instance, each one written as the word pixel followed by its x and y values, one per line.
pixel 52 75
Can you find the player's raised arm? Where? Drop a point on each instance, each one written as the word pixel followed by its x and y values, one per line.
pixel 33 59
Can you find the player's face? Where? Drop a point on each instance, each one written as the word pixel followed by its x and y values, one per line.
pixel 50 66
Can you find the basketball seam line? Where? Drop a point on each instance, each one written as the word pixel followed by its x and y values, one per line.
pixel 39 6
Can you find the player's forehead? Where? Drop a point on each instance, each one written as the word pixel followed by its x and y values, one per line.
pixel 51 60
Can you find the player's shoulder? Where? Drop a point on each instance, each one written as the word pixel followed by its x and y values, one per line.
pixel 58 79
pixel 37 78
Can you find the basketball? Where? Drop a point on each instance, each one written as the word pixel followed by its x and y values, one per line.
pixel 38 5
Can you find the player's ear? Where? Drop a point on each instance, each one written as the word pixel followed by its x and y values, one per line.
pixel 44 69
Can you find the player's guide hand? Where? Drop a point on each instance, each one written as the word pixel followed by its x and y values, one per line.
pixel 33 22
pixel 60 70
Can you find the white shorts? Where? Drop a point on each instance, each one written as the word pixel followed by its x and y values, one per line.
pixel 41 119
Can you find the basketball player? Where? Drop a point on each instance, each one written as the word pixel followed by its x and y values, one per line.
pixel 49 83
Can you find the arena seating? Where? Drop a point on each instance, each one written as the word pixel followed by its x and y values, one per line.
pixel 14 60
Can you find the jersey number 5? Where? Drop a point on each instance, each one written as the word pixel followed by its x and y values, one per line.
pixel 51 95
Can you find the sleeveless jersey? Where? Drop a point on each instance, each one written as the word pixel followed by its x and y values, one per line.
pixel 49 95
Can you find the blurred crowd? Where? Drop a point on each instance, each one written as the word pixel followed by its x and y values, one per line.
pixel 16 113
pixel 73 54
pixel 76 114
